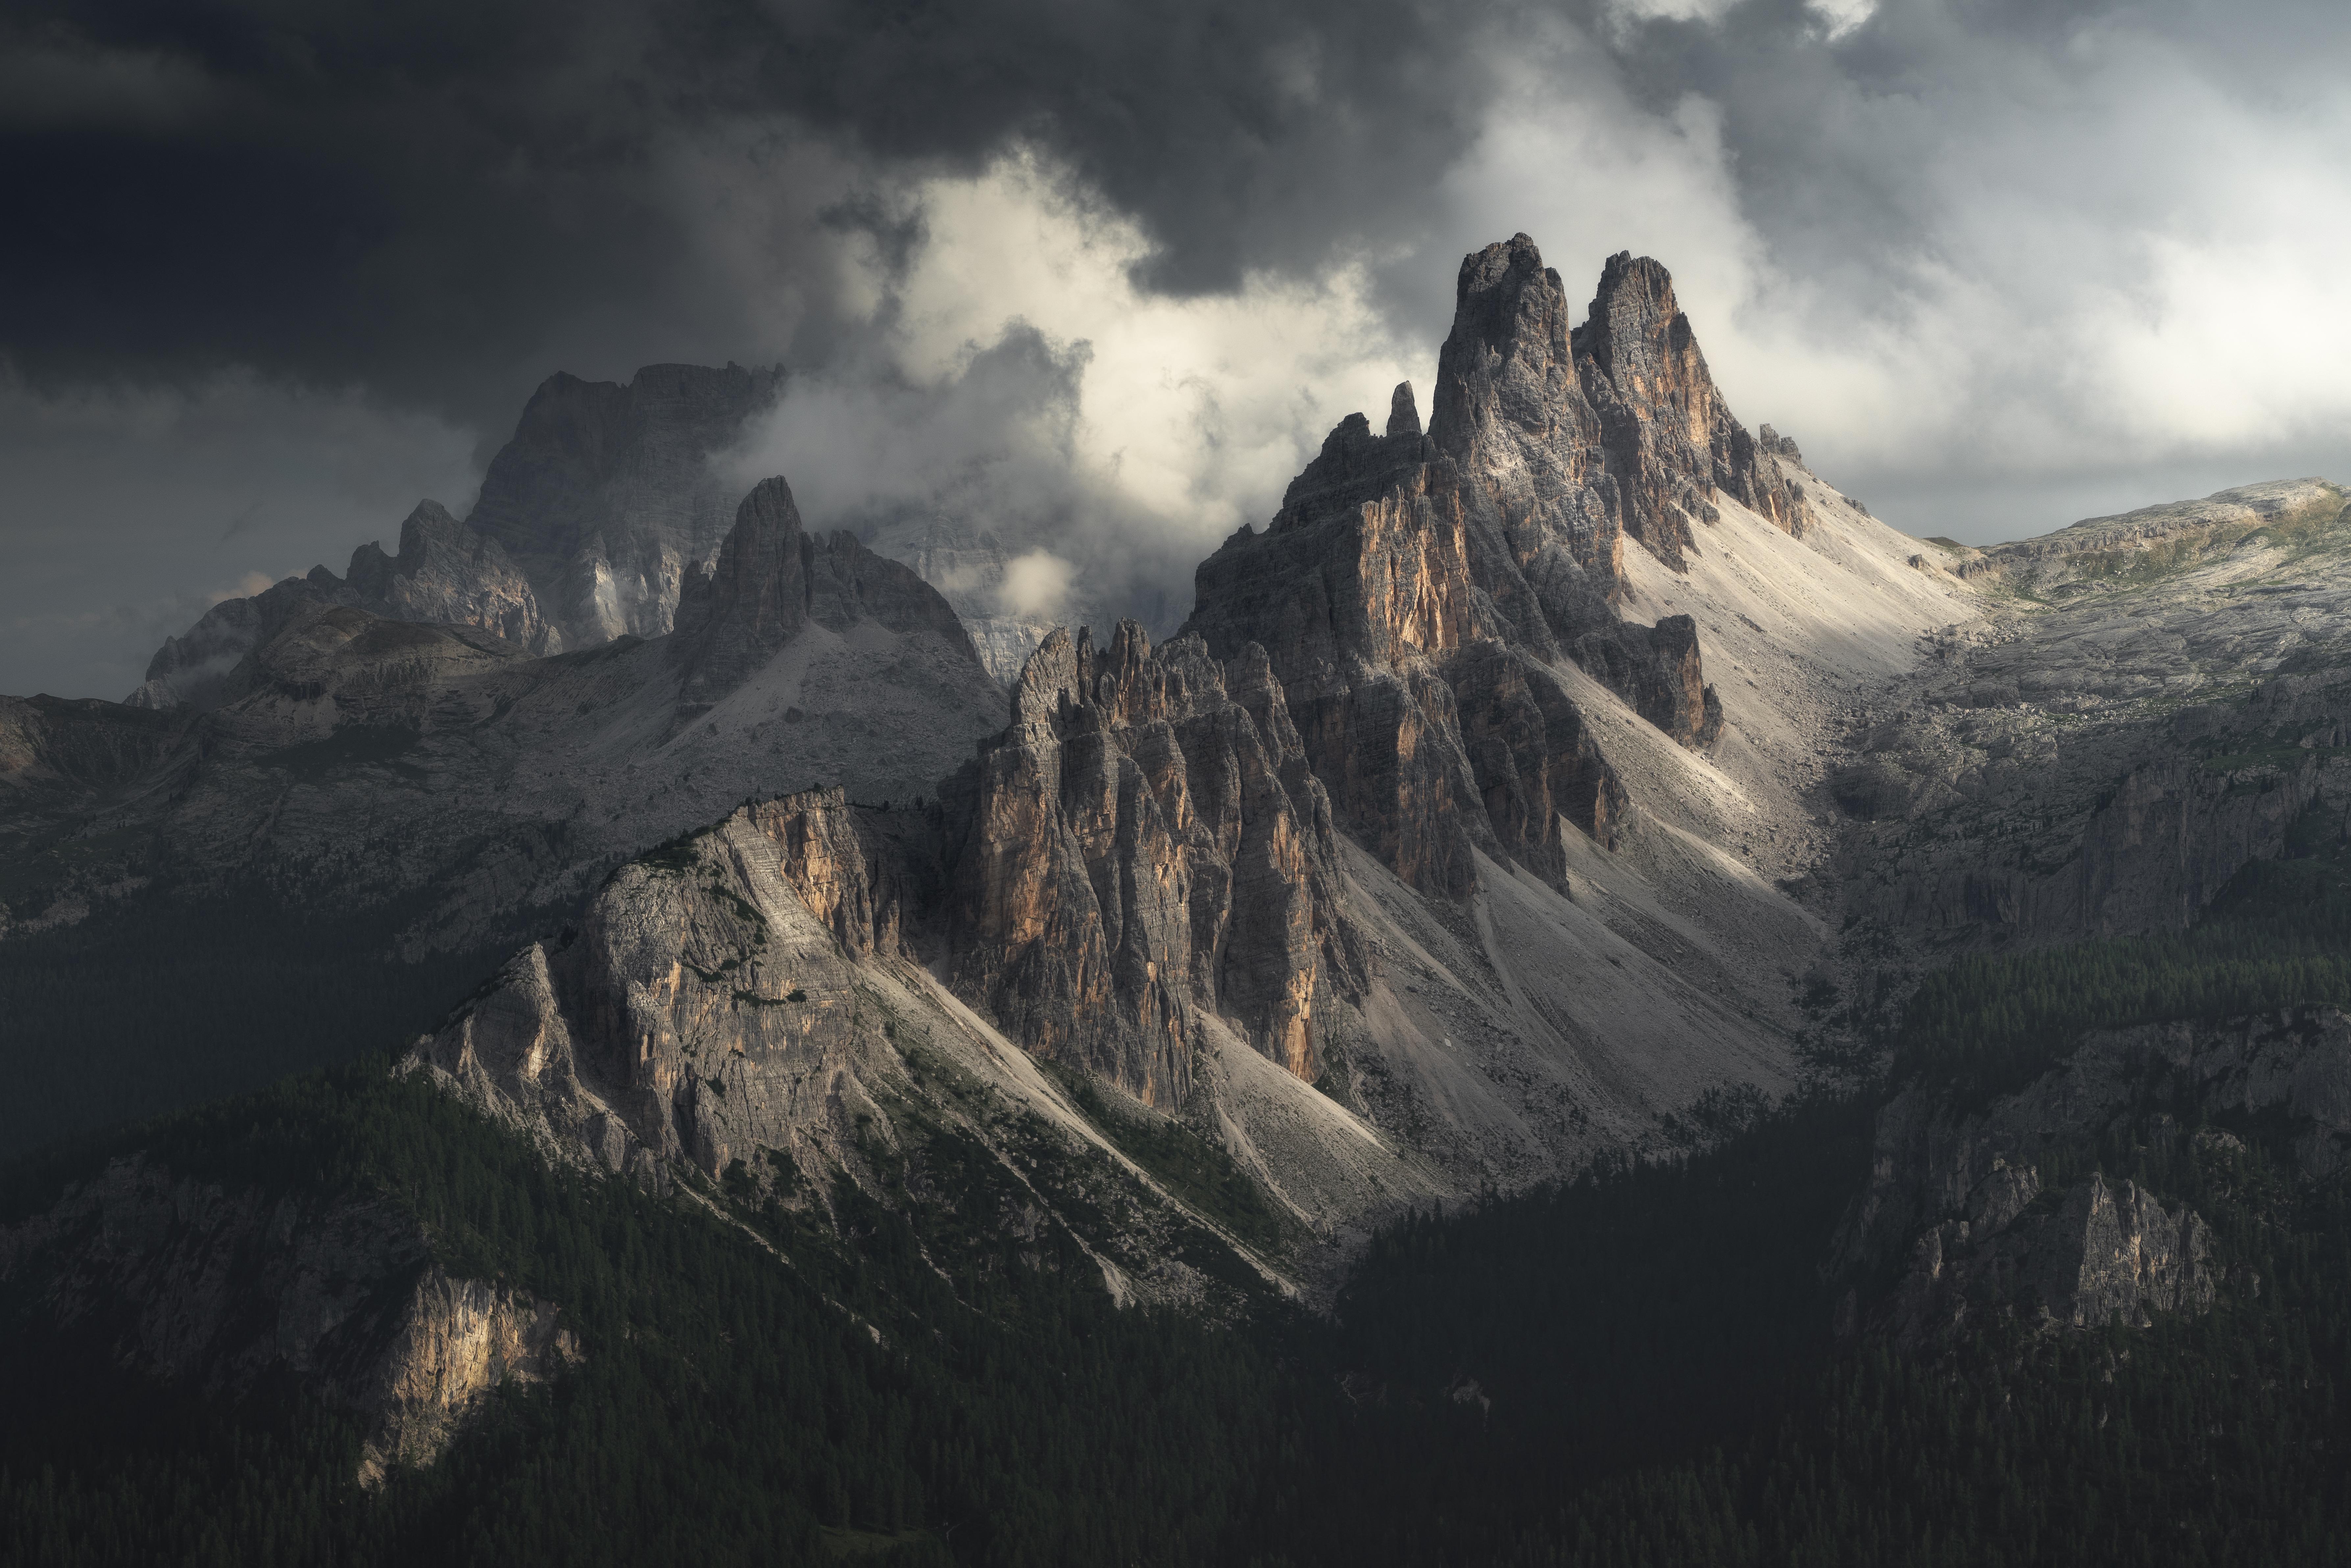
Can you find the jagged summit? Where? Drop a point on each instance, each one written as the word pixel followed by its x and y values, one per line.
pixel 772 580
pixel 1423 589
pixel 606 496
pixel 445 574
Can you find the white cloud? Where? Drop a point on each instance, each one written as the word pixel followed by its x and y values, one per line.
pixel 1035 585
pixel 1020 382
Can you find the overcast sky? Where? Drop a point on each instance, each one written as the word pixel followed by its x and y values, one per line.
pixel 1103 275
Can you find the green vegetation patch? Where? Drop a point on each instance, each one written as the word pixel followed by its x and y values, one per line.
pixel 1197 1171
pixel 2278 936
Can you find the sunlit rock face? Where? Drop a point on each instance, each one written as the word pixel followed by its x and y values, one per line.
pixel 1148 844
pixel 223 1289
pixel 1417 593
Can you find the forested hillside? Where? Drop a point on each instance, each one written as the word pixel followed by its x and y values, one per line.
pixel 1659 1362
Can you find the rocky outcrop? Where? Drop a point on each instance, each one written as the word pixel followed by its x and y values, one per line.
pixel 450 573
pixel 733 618
pixel 1416 593
pixel 1147 843
pixel 220 1289
pixel 2110 1251
pixel 769 1002
pixel 1959 1201
pixel 713 1002
pixel 1583 437
pixel 1668 439
pixel 368 762
pixel 772 580
pixel 606 496
pixel 2102 552
pixel 588 524
pixel 198 668
pixel 444 574
pixel 2133 831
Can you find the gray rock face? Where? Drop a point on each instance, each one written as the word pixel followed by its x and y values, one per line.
pixel 587 523
pixel 367 761
pixel 1148 844
pixel 757 993
pixel 453 574
pixel 445 573
pixel 217 1288
pixel 605 495
pixel 1362 582
pixel 2085 555
pixel 1580 438
pixel 969 566
pixel 1964 1191
pixel 195 669
pixel 2098 761
pixel 1415 594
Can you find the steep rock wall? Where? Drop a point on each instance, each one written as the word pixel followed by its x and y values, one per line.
pixel 1416 592
pixel 1146 839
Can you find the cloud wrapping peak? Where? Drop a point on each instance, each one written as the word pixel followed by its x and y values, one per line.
pixel 1098 277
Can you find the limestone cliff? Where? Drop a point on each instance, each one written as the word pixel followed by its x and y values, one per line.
pixel 771 581
pixel 1147 842
pixel 759 1002
pixel 455 575
pixel 606 496
pixel 1973 1207
pixel 445 574
pixel 218 1288
pixel 1416 593
pixel 358 760
pixel 590 519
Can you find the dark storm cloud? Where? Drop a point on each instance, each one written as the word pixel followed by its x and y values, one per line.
pixel 423 196
pixel 1996 263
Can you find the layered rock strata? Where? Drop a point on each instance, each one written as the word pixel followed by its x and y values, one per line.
pixel 1148 842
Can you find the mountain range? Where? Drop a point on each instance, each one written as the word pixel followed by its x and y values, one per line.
pixel 1571 783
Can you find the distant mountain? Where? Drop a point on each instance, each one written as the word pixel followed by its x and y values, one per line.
pixel 432 789
pixel 1751 1036
pixel 1397 868
pixel 589 520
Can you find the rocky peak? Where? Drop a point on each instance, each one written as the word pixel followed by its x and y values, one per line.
pixel 1510 416
pixel 1669 438
pixel 1403 417
pixel 733 618
pixel 1150 861
pixel 606 495
pixel 1780 446
pixel 1415 594
pixel 772 582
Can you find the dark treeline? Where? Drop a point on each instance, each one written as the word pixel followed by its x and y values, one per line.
pixel 2278 936
pixel 1636 1368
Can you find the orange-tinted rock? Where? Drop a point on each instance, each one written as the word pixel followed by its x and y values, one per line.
pixel 1144 847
